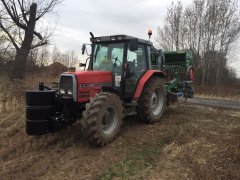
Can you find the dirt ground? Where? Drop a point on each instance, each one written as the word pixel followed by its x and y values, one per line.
pixel 190 142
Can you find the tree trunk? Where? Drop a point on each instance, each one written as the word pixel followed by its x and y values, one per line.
pixel 19 69
pixel 203 78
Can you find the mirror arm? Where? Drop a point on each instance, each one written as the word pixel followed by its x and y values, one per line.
pixel 86 63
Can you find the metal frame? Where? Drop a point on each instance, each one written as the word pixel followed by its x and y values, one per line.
pixel 75 86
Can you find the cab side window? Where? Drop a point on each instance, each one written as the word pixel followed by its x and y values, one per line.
pixel 155 60
pixel 137 60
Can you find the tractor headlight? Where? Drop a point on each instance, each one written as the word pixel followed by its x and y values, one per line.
pixel 68 86
pixel 62 91
pixel 69 92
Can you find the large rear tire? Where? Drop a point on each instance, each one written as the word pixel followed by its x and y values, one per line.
pixel 152 101
pixel 102 119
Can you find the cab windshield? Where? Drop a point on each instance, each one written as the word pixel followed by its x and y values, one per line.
pixel 108 56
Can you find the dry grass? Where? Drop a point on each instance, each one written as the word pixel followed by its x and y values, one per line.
pixel 190 142
pixel 12 94
pixel 224 92
pixel 206 147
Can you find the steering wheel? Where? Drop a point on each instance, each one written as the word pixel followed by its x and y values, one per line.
pixel 116 59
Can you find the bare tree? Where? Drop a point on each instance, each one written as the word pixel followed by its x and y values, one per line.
pixel 4 46
pixel 56 55
pixel 43 56
pixel 32 60
pixel 18 20
pixel 69 58
pixel 72 58
pixel 170 34
pixel 209 29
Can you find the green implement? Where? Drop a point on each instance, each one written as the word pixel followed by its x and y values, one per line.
pixel 179 67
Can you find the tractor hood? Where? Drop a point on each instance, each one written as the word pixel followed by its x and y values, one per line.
pixel 93 77
pixel 89 83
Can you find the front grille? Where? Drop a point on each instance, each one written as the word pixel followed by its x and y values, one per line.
pixel 66 83
pixel 84 94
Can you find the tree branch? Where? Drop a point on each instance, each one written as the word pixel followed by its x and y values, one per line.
pixel 49 8
pixel 39 44
pixel 8 10
pixel 38 35
pixel 13 14
pixel 20 36
pixel 9 35
pixel 22 10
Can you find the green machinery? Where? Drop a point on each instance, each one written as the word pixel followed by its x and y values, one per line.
pixel 179 68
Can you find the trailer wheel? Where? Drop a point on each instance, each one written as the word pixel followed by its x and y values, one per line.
pixel 152 102
pixel 102 119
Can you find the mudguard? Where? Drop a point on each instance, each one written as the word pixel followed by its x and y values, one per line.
pixel 144 79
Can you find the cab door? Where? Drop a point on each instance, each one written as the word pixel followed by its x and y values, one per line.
pixel 136 67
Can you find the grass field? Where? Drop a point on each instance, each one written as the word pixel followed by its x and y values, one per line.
pixel 190 142
pixel 224 92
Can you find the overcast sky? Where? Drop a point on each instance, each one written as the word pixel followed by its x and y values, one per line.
pixel 76 18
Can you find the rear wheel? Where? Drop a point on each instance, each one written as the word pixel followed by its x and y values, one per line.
pixel 102 119
pixel 152 102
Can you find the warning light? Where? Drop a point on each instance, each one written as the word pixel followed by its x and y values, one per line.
pixel 149 33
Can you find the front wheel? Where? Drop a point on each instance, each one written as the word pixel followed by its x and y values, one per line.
pixel 102 119
pixel 152 102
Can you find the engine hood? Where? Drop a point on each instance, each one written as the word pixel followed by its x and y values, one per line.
pixel 91 77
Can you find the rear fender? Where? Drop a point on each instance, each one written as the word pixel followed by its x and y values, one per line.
pixel 144 79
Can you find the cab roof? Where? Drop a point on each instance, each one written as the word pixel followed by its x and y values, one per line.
pixel 117 38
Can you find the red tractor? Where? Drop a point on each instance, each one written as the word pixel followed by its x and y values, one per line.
pixel 119 81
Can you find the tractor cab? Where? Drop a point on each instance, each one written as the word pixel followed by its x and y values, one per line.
pixel 126 57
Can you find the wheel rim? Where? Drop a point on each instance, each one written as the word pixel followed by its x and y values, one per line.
pixel 157 102
pixel 109 120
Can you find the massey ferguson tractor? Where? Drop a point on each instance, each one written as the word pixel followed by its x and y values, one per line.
pixel 123 76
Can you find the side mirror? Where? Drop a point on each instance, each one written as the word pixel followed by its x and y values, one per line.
pixel 83 48
pixel 133 44
pixel 82 64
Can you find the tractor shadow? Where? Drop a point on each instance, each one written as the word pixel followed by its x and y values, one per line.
pixel 73 136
